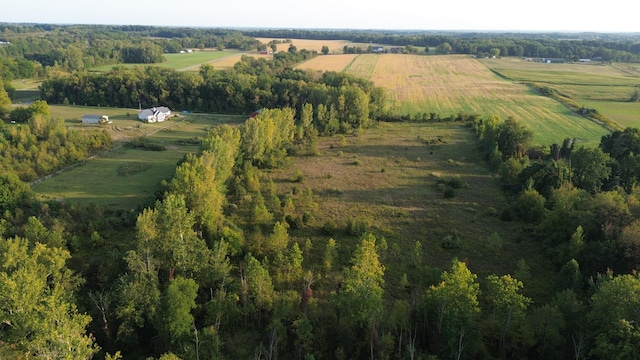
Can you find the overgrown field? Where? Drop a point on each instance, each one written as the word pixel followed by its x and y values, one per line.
pixel 605 87
pixel 386 181
pixel 447 85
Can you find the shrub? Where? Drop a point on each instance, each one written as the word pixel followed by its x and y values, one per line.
pixel 329 227
pixel 356 227
pixel 449 192
pixel 452 241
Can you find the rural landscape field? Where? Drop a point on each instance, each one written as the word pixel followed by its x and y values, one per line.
pixel 358 204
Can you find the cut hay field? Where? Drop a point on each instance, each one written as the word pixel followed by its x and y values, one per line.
pixel 187 61
pixel 605 87
pixel 386 177
pixel 335 46
pixel 126 178
pixel 337 63
pixel 448 85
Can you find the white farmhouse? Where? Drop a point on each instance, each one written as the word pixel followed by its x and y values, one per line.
pixel 155 114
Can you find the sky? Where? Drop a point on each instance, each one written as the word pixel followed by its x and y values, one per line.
pixel 466 15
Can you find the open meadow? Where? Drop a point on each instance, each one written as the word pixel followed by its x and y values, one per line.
pixel 126 178
pixel 605 87
pixel 186 61
pixel 387 178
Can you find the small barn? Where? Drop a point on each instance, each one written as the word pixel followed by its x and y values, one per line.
pixel 156 114
pixel 95 119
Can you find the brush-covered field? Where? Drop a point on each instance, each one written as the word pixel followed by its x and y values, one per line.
pixel 335 46
pixel 387 179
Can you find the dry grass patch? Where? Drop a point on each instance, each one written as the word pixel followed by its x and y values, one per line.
pixel 335 46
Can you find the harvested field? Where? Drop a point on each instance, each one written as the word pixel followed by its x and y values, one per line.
pixel 329 62
pixel 447 85
pixel 335 46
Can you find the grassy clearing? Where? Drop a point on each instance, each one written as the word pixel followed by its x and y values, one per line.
pixel 625 113
pixel 387 179
pixel 447 85
pixel 186 61
pixel 127 178
pixel 100 181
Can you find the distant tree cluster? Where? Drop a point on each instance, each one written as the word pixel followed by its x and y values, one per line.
pixel 36 144
pixel 606 47
pixel 78 47
pixel 251 85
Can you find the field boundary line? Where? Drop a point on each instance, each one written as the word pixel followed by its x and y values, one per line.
pixel 346 67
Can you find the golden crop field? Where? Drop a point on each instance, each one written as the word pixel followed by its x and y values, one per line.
pixel 333 45
pixel 448 85
pixel 329 62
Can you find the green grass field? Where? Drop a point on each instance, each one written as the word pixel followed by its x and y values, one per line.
pixel 101 180
pixel 605 87
pixel 179 61
pixel 98 181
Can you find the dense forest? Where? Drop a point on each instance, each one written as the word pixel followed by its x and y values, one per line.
pixel 211 270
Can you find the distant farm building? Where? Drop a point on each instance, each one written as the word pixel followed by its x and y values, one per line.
pixel 377 49
pixel 553 60
pixel 156 114
pixel 95 119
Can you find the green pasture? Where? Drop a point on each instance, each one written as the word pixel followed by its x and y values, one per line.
pixel 625 113
pixel 126 178
pixel 550 121
pixel 605 87
pixel 178 61
pixel 99 181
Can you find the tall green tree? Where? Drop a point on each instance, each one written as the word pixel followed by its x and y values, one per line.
pixel 454 301
pixel 590 168
pixel 614 316
pixel 508 305
pixel 38 310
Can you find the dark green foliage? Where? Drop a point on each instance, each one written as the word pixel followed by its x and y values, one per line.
pixel 451 241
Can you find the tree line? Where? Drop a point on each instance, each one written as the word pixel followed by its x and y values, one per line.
pixel 607 47
pixel 251 85
pixel 79 47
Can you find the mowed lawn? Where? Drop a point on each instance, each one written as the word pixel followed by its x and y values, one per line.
pixel 186 61
pixel 448 85
pixel 126 178
pixel 99 181
pixel 605 87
